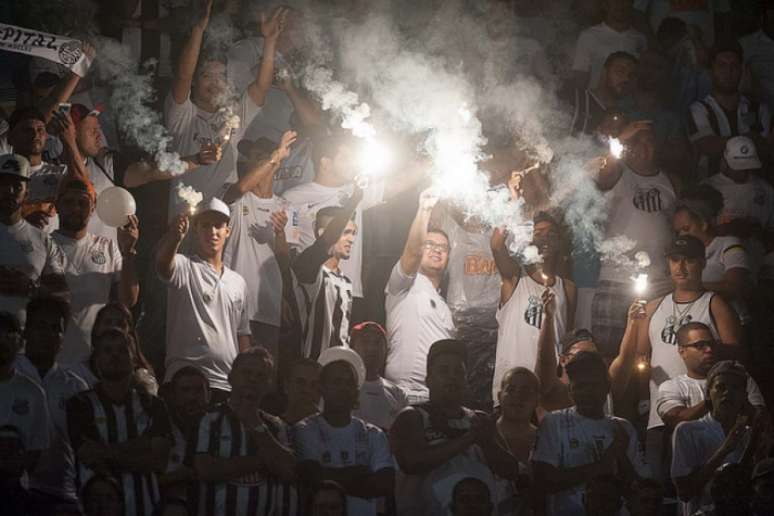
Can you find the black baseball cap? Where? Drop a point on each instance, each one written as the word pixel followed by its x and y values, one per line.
pixel 446 347
pixel 688 246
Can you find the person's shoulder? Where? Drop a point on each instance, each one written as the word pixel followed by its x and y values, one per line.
pixel 234 278
pixel 71 380
pixel 21 383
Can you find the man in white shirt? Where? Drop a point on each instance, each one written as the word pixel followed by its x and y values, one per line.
pixel 595 44
pixel 759 55
pixel 417 315
pixel 380 399
pixel 97 268
pixel 254 249
pixel 683 398
pixel 335 446
pixel 700 447
pixel 207 320
pixel 30 261
pixel 53 480
pixel 581 442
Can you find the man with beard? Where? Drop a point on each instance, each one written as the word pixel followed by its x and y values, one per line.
pixel 117 429
pixel 521 316
pixel 30 262
pixel 242 459
pixel 98 269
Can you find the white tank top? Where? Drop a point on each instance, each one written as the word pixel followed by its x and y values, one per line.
pixel 520 320
pixel 665 360
pixel 640 208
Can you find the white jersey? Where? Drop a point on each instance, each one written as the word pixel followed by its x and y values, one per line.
pixel 566 440
pixel 596 43
pixel 417 316
pixel 102 176
pixel 357 444
pixel 753 199
pixel 309 198
pixel 192 127
pixel 250 252
pixel 380 402
pixel 328 308
pixel 722 255
pixel 640 208
pixel 520 320
pixel 54 473
pixel 684 391
pixel 93 267
pixel 23 405
pixel 32 252
pixel 693 444
pixel 205 316
pixel 665 360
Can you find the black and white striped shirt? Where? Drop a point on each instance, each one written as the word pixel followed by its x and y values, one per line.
pixel 92 416
pixel 222 435
pixel 328 307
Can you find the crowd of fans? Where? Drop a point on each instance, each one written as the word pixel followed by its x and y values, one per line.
pixel 298 344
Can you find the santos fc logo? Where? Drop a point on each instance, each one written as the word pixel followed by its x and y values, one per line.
pixel 669 332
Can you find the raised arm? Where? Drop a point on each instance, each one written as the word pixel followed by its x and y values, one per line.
pixel 129 284
pixel 635 342
pixel 262 171
pixel 411 258
pixel 189 55
pixel 554 394
pixel 272 25
pixel 167 248
pixel 507 267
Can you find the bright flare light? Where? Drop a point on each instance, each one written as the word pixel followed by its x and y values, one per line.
pixel 616 148
pixel 375 159
pixel 640 284
pixel 190 197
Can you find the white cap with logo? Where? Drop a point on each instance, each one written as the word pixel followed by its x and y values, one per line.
pixel 15 165
pixel 345 354
pixel 215 205
pixel 741 154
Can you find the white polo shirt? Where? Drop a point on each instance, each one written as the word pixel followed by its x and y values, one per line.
pixel 206 312
pixel 250 252
pixel 309 198
pixel 684 391
pixel 55 471
pixel 596 43
pixel 93 267
pixel 31 251
pixel 23 405
pixel 380 402
pixel 417 316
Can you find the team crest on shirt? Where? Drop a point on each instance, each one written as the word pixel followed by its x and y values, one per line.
pixel 98 258
pixel 648 200
pixel 26 246
pixel 20 407
pixel 669 332
pixel 533 315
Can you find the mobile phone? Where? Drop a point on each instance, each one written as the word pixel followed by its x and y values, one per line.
pixel 64 108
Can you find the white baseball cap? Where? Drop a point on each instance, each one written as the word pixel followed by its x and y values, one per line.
pixel 741 153
pixel 15 165
pixel 215 205
pixel 348 355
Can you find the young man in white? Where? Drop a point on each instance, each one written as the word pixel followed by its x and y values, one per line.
pixel 207 320
pixel 520 316
pixel 614 34
pixel 256 248
pixel 53 480
pixel 417 314
pixel 683 398
pixel 701 446
pixel 335 446
pixel 324 289
pixel 581 442
pixel 98 269
pixel 380 399
pixel 30 261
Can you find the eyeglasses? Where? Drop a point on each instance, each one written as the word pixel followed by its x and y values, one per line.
pixel 702 344
pixel 432 246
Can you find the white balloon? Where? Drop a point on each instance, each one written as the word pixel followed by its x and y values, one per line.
pixel 114 205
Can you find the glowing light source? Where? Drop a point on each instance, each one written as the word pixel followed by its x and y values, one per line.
pixel 642 365
pixel 374 160
pixel 616 148
pixel 189 197
pixel 640 284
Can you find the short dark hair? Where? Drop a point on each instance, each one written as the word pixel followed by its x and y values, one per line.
pixel 255 352
pixel 189 371
pixel 471 481
pixel 685 328
pixel 9 322
pixel 328 212
pixel 620 55
pixel 327 485
pixel 727 45
pixel 670 30
pixel 106 479
pixel 572 337
pixel 544 216
pixel 49 304
pixel 326 144
pixel 24 113
pixel 96 343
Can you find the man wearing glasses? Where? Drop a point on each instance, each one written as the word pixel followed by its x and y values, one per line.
pixel 417 315
pixel 683 397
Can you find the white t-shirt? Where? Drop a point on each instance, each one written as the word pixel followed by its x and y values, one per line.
pixel 32 252
pixel 684 391
pixel 23 405
pixel 566 439
pixel 205 315
pixel 417 316
pixel 596 43
pixel 190 127
pixel 759 57
pixel 640 208
pixel 722 255
pixel 751 199
pixel 380 402
pixel 309 198
pixel 93 266
pixel 693 444
pixel 250 252
pixel 101 182
pixel 665 360
pixel 700 13
pixel 357 444
pixel 55 471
